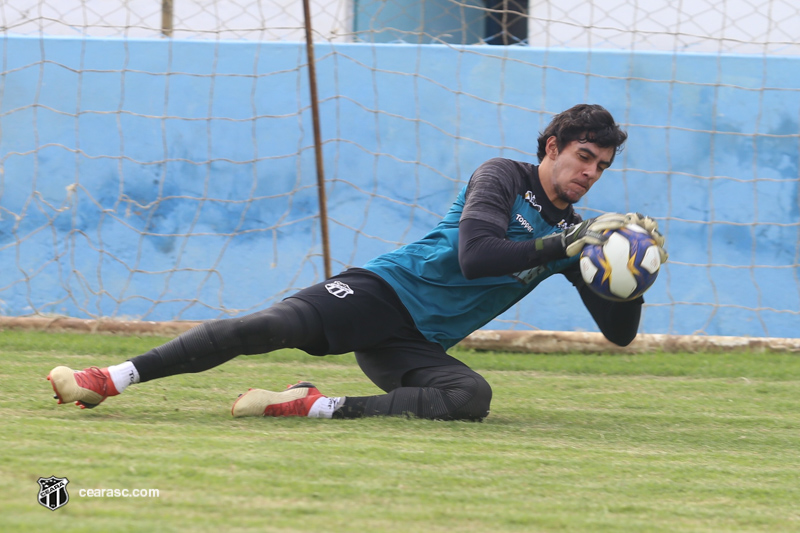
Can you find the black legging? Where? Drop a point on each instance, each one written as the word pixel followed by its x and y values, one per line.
pixel 444 390
pixel 453 392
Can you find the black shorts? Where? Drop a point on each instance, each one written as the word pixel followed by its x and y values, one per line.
pixel 362 313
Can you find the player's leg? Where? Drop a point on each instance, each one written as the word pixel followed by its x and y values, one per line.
pixel 419 377
pixel 454 392
pixel 287 324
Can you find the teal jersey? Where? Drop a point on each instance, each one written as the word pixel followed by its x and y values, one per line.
pixel 426 274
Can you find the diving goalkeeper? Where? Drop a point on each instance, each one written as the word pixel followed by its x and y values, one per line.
pixel 510 228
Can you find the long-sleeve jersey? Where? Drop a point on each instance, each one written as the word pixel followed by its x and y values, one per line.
pixel 493 223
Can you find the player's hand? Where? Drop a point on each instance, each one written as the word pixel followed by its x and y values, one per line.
pixel 643 221
pixel 590 231
pixel 651 227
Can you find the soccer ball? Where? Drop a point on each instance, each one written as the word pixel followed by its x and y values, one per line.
pixel 624 267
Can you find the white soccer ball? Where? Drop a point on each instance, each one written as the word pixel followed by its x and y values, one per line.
pixel 624 267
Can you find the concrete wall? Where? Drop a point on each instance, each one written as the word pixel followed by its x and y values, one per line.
pixel 175 179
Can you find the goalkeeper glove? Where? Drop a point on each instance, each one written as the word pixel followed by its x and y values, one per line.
pixel 590 231
pixel 651 227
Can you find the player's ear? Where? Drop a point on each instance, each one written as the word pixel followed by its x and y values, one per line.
pixel 551 147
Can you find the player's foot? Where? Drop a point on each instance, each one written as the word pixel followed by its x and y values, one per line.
pixel 296 400
pixel 87 388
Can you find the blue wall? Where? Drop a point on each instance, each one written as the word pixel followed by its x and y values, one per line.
pixel 176 180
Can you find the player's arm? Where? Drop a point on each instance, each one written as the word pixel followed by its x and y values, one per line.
pixel 484 251
pixel 618 321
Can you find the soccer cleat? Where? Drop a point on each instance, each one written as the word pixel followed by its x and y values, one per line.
pixel 87 388
pixel 296 400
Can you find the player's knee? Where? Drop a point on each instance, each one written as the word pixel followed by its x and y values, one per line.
pixel 477 407
pixel 462 394
pixel 470 395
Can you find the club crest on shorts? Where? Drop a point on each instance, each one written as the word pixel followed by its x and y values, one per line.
pixel 338 289
pixel 53 492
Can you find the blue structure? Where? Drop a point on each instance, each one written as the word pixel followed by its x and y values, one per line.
pixel 422 22
pixel 168 180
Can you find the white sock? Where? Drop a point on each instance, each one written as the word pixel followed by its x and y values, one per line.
pixel 324 407
pixel 123 375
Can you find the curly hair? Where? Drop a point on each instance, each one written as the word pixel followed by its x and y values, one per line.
pixel 583 123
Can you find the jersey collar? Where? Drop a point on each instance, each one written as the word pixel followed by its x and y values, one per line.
pixel 539 200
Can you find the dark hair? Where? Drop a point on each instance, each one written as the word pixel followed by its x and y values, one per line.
pixel 583 123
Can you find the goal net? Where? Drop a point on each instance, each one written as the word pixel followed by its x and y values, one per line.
pixel 158 158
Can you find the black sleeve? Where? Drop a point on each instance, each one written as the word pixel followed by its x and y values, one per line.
pixel 484 251
pixel 618 321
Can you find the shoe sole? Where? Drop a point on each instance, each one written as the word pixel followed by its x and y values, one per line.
pixel 255 401
pixel 67 390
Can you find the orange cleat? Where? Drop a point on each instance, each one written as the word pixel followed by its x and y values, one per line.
pixel 87 388
pixel 296 400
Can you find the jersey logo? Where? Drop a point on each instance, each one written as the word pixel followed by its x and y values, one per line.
pixel 531 199
pixel 524 223
pixel 339 289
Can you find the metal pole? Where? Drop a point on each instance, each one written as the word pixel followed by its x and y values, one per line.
pixel 167 9
pixel 312 82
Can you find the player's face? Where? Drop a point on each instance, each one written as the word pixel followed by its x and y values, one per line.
pixel 575 169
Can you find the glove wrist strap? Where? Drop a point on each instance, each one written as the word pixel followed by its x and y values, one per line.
pixel 551 247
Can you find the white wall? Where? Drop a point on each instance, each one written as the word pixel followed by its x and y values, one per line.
pixel 268 20
pixel 737 26
pixel 731 26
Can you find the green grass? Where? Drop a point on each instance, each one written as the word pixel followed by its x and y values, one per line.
pixel 658 442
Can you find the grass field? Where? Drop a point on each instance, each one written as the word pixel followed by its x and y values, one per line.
pixel 662 442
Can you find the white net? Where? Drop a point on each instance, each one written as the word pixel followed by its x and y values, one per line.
pixel 158 159
pixel 731 26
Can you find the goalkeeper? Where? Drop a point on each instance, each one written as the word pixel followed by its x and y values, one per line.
pixel 511 227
